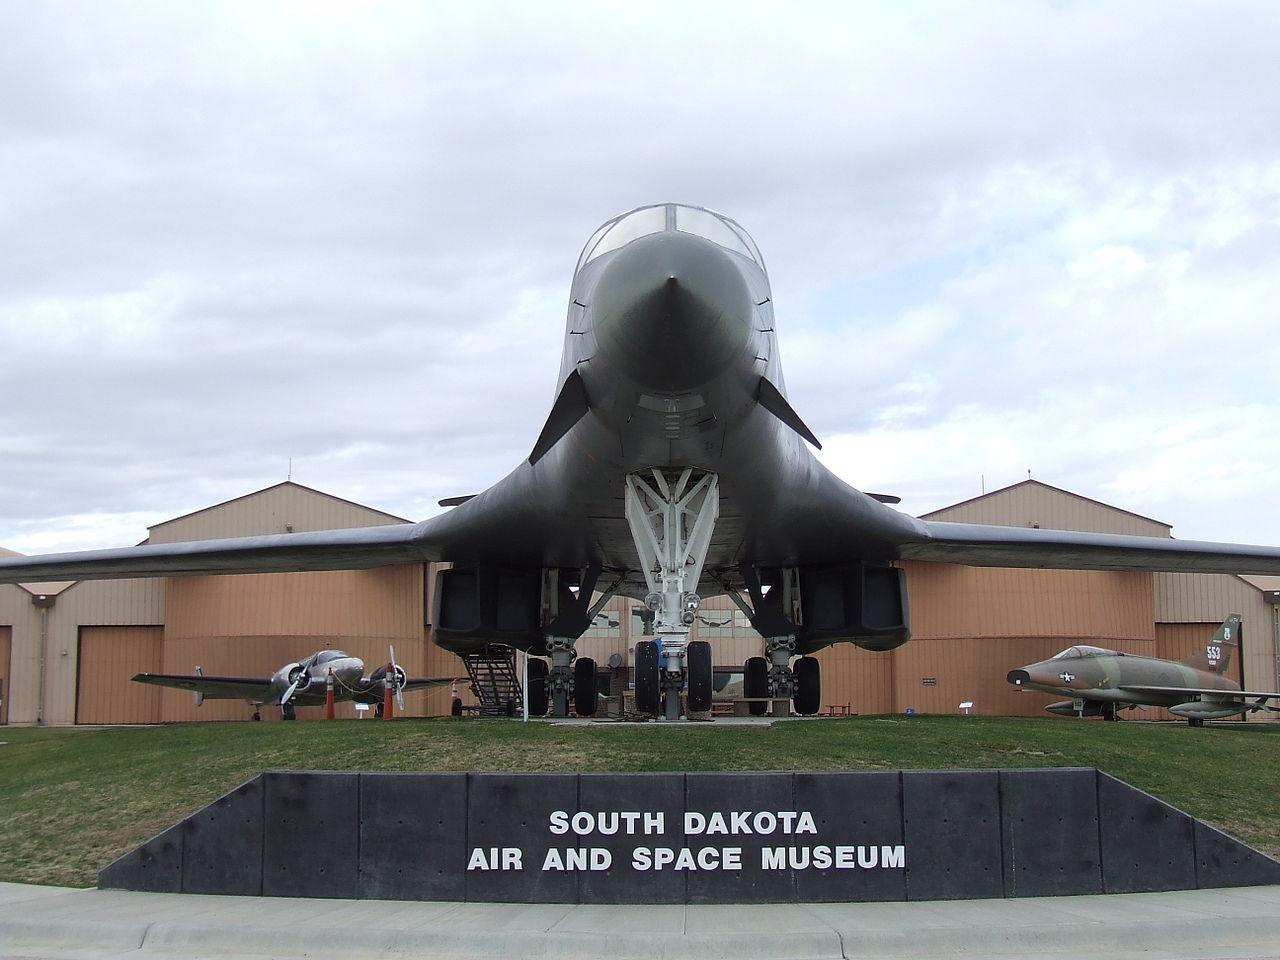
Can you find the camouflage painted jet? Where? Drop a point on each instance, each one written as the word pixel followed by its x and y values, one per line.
pixel 671 467
pixel 1103 682
pixel 302 684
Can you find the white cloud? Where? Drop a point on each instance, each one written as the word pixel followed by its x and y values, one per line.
pixel 1000 236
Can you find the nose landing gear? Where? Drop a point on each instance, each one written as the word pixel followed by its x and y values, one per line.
pixel 671 516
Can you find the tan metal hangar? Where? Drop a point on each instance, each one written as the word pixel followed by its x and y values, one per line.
pixel 68 651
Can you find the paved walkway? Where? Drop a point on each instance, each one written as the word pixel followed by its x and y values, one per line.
pixel 62 924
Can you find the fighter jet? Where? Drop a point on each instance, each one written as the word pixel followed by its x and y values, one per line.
pixel 303 684
pixel 671 467
pixel 1101 682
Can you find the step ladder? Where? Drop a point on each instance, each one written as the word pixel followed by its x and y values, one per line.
pixel 494 680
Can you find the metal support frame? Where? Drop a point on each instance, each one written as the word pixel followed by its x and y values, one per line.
pixel 671 521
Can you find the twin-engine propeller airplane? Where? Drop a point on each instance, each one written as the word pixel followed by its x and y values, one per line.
pixel 1101 682
pixel 302 684
pixel 671 467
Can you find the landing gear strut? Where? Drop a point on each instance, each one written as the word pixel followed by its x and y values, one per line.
pixel 571 679
pixel 671 516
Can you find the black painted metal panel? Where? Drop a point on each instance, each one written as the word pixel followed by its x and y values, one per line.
pixel 311 835
pixel 1146 844
pixel 1223 861
pixel 222 844
pixel 513 811
pixel 852 810
pixel 951 827
pixel 633 793
pixel 413 836
pixel 1049 821
pixel 962 834
pixel 726 793
pixel 154 867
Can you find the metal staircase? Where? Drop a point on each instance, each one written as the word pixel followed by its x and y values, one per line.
pixel 494 680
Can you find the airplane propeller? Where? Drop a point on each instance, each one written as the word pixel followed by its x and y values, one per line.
pixel 398 679
pixel 296 678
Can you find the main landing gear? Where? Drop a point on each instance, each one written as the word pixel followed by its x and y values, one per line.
pixel 571 680
pixel 775 678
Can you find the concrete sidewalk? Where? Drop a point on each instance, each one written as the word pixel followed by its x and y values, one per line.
pixel 63 924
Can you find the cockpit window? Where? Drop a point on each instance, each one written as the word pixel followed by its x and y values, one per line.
pixel 705 224
pixel 328 656
pixel 645 221
pixel 632 226
pixel 1084 651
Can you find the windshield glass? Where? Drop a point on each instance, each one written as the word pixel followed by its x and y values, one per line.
pixel 328 656
pixel 645 221
pixel 630 226
pixel 709 226
pixel 1082 651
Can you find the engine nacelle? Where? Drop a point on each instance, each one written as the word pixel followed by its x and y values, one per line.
pixel 855 603
pixel 491 604
pixel 1206 710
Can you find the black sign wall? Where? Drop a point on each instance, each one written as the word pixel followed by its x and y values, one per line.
pixel 688 838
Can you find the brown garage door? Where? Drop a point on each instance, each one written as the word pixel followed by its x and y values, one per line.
pixel 109 657
pixel 6 671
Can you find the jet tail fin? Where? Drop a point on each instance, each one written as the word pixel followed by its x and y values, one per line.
pixel 571 406
pixel 1216 654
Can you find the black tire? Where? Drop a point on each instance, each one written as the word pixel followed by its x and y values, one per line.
pixel 257 715
pixel 648 686
pixel 1195 722
pixel 586 688
pixel 455 707
pixel 755 683
pixel 699 674
pixel 538 697
pixel 287 712
pixel 808 686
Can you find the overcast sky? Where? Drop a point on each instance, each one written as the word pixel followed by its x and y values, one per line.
pixel 1001 237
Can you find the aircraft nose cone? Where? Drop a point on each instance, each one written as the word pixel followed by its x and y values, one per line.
pixel 672 311
pixel 1018 677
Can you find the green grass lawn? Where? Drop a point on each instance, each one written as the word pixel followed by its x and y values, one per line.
pixel 73 799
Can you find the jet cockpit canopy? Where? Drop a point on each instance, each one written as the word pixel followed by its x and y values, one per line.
pixel 1082 650
pixel 660 217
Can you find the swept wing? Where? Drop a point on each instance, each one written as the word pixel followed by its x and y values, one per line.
pixel 1206 691
pixel 986 545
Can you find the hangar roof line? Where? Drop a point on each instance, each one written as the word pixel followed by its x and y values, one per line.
pixel 391 517
pixel 1045 486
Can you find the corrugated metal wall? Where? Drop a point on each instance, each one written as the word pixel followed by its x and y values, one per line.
pixel 955 601
pixel 5 673
pixel 109 657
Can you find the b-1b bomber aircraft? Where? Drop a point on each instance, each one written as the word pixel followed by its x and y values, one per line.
pixel 302 684
pixel 672 467
pixel 1101 682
